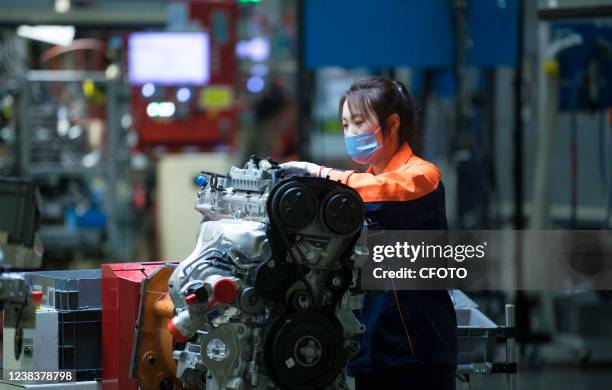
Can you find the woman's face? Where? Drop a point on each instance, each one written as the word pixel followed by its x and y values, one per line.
pixel 357 123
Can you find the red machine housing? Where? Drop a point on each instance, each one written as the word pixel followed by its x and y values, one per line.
pixel 121 286
pixel 195 124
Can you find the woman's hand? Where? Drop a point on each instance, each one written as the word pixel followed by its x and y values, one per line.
pixel 305 167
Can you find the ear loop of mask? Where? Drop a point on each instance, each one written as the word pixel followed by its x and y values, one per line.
pixel 381 147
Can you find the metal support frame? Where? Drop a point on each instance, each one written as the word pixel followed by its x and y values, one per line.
pixel 510 348
pixel 86 14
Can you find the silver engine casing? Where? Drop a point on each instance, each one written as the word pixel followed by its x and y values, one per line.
pixel 245 331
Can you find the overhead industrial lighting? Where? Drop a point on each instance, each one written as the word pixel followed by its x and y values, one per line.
pixel 57 35
pixel 62 6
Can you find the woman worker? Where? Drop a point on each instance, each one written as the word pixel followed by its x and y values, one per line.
pixel 410 341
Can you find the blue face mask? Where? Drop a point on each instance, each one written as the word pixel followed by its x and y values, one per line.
pixel 363 147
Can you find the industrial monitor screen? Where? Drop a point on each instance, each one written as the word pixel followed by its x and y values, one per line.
pixel 169 58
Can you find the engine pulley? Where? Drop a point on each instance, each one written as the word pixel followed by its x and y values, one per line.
pixel 304 350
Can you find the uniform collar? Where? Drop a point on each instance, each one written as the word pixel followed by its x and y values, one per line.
pixel 400 158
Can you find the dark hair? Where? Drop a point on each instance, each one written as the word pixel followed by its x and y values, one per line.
pixel 382 97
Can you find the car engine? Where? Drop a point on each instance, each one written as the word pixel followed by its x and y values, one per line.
pixel 266 298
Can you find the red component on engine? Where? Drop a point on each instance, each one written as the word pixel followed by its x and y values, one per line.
pixel 191 299
pixel 224 291
pixel 178 336
pixel 121 285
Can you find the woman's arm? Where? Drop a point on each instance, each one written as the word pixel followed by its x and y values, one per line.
pixel 411 181
pixel 405 184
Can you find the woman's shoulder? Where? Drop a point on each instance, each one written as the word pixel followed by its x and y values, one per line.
pixel 418 168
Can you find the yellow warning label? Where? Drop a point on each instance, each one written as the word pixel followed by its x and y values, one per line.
pixel 216 97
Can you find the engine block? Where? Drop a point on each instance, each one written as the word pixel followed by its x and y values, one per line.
pixel 266 298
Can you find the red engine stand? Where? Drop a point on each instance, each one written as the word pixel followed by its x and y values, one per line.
pixel 120 306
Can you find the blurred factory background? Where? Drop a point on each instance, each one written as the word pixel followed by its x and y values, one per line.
pixel 113 107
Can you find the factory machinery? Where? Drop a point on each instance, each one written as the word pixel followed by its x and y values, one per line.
pixel 20 248
pixel 264 301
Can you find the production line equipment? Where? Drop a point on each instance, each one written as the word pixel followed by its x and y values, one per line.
pixel 20 248
pixel 266 298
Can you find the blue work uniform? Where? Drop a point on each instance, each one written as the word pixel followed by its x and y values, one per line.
pixel 407 195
